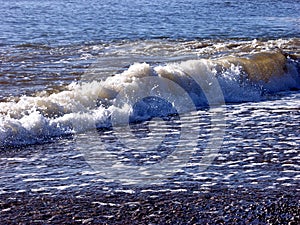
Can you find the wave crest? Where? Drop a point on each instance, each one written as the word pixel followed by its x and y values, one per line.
pixel 85 105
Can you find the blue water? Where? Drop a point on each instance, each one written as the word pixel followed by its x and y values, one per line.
pixel 65 22
pixel 49 123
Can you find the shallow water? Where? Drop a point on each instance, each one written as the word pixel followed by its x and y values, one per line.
pixel 73 75
pixel 260 151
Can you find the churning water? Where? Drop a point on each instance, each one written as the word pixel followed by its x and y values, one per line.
pixel 143 93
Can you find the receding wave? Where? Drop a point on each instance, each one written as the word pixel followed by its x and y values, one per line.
pixel 88 104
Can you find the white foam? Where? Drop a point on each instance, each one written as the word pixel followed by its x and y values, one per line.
pixel 85 105
pixel 236 88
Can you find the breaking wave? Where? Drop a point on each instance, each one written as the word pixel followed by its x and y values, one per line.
pixel 89 103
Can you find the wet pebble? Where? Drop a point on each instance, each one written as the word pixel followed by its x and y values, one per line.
pixel 217 207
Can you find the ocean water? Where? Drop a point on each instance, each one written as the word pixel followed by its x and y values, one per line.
pixel 115 95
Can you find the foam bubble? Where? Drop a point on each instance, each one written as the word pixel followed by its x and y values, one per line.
pixel 89 104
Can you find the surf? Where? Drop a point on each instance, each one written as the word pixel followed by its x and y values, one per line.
pixel 89 103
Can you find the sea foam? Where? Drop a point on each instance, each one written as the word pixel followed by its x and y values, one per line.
pixel 89 104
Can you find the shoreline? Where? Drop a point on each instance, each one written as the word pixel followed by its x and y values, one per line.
pixel 218 206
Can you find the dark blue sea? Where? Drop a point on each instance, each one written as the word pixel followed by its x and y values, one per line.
pixel 149 112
